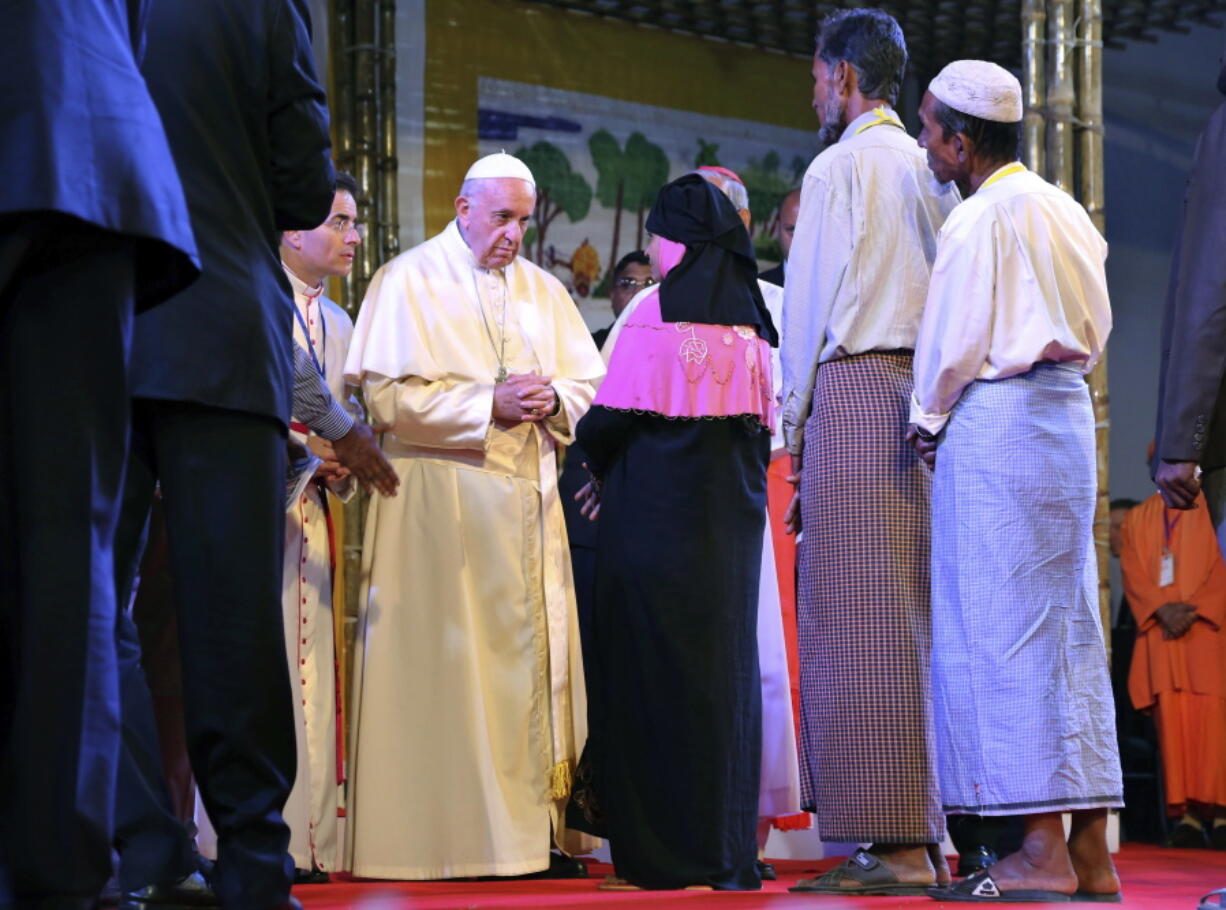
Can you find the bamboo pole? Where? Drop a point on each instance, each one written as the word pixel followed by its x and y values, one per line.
pixel 1093 196
pixel 365 136
pixel 340 39
pixel 1061 94
pixel 388 163
pixel 1034 83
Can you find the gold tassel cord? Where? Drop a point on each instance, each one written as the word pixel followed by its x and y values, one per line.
pixel 561 779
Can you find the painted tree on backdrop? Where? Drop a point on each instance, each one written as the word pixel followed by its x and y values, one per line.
pixel 627 180
pixel 708 154
pixel 558 189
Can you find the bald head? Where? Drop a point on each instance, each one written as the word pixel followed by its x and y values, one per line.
pixel 789 208
pixel 731 187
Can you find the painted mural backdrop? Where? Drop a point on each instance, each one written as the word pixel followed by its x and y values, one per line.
pixel 599 162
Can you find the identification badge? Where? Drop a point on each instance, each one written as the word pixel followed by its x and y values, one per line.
pixel 1166 570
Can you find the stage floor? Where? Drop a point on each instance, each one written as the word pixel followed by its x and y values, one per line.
pixel 1154 879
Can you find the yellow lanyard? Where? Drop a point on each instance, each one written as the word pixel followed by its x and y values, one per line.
pixel 883 116
pixel 1015 168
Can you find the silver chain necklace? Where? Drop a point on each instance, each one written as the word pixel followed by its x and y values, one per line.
pixel 500 349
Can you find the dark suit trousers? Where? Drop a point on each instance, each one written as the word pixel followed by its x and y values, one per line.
pixel 154 845
pixel 222 476
pixel 66 312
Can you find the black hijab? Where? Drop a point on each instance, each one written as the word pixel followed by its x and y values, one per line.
pixel 716 281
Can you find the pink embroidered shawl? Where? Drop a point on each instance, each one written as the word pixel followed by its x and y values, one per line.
pixel 687 369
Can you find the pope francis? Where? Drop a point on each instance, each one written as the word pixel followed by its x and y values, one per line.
pixel 469 712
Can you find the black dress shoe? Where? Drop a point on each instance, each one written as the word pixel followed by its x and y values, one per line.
pixel 192 891
pixel 974 861
pixel 204 866
pixel 766 871
pixel 311 877
pixel 1188 837
pixel 108 898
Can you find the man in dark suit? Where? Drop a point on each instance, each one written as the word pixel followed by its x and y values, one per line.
pixel 1191 434
pixel 211 381
pixel 93 227
pixel 785 227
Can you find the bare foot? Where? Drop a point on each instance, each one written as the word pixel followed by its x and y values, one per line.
pixel 1087 846
pixel 909 862
pixel 1042 864
pixel 940 864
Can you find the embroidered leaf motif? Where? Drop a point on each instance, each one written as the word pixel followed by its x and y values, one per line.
pixel 693 350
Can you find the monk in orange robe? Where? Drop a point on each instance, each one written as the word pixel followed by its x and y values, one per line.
pixel 1175 582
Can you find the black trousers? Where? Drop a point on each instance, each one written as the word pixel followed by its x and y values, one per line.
pixel 151 836
pixel 66 311
pixel 153 843
pixel 222 476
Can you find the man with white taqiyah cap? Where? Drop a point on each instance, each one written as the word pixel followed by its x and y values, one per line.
pixel 1017 314
pixel 468 701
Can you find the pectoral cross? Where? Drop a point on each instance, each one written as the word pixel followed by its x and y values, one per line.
pixel 502 374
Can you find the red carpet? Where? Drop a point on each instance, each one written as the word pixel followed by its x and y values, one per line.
pixel 1154 879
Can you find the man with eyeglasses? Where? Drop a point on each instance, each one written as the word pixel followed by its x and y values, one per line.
pixel 632 274
pixel 323 329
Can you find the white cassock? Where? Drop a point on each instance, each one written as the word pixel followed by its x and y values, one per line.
pixel 468 708
pixel 779 786
pixel 311 811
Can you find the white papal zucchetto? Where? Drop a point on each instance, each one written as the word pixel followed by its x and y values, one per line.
pixel 500 165
pixel 981 89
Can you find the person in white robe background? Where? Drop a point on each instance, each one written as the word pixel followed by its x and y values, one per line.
pixel 468 709
pixel 311 549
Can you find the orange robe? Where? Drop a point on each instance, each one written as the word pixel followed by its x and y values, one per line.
pixel 1182 680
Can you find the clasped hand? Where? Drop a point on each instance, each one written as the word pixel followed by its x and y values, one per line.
pixel 331 470
pixel 523 398
pixel 1176 619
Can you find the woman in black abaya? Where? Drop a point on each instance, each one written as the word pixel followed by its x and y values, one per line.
pixel 678 444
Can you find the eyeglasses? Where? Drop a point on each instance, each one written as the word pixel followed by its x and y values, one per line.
pixel 343 226
pixel 634 283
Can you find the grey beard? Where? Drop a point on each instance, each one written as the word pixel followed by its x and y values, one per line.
pixel 834 121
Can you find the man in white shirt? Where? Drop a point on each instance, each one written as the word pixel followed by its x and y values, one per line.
pixel 469 710
pixel 323 329
pixel 856 281
pixel 1017 313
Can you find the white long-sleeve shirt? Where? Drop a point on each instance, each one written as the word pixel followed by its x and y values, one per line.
pixel 1019 279
pixel 866 237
